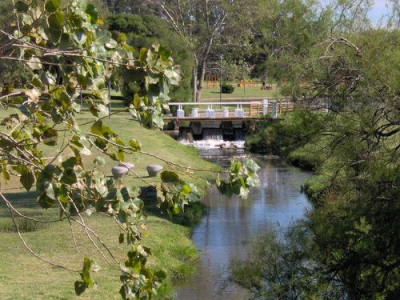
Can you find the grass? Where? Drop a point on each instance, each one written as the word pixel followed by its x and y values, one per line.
pixel 24 277
pixel 212 93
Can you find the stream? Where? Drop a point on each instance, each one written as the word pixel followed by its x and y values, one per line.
pixel 230 224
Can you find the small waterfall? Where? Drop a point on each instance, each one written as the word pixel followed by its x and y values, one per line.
pixel 226 138
pixel 184 134
pixel 212 134
pixel 239 134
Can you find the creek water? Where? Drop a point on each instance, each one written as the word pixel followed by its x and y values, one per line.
pixel 230 224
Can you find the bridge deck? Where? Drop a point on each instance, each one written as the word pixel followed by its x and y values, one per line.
pixel 228 111
pixel 169 118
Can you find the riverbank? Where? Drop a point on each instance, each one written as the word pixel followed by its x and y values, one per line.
pixel 24 277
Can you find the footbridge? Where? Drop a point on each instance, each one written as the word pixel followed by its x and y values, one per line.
pixel 220 120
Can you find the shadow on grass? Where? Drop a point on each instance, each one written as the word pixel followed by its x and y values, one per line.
pixel 22 199
pixel 25 202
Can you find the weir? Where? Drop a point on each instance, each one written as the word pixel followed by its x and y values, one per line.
pixel 227 120
pixel 219 120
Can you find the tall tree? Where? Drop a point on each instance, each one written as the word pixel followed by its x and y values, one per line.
pixel 205 22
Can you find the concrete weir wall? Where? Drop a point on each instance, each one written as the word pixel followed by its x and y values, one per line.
pixel 214 130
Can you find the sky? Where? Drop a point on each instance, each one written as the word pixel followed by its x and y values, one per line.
pixel 379 9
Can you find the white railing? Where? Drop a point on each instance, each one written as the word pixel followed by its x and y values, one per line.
pixel 212 110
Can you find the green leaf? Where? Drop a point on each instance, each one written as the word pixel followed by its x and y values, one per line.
pixel 186 190
pixel 50 137
pixel 27 179
pixel 86 270
pixel 21 6
pixel 244 193
pixel 164 53
pixel 52 5
pixel 80 36
pixel 169 176
pixel 111 44
pixel 36 82
pixel 120 154
pixel 251 165
pixel 56 20
pixel 49 190
pixel 102 110
pixel 97 128
pixel 80 287
pixel 253 180
pixel 99 161
pixel 93 13
pixel 121 238
pixel 69 177
pixel 34 63
pixel 46 202
pixel 160 275
pixel 174 75
pixel 56 23
pixel 135 145
pixel 143 55
pixel 5 173
pixel 136 101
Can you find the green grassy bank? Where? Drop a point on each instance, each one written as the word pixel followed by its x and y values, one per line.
pixel 23 276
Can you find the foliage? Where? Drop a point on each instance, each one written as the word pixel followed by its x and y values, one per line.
pixel 288 31
pixel 209 28
pixel 284 267
pixel 12 74
pixel 356 190
pixel 67 51
pixel 241 178
pixel 233 70
pixel 283 137
pixel 143 31
pixel 227 88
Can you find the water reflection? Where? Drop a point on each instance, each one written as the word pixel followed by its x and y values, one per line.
pixel 231 223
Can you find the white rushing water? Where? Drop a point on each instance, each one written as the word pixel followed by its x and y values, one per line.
pixel 214 144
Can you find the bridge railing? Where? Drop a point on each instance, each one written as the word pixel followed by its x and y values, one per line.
pixel 240 109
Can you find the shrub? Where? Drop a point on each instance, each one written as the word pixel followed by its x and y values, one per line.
pixel 227 88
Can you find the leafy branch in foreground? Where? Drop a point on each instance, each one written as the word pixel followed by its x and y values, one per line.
pixel 67 52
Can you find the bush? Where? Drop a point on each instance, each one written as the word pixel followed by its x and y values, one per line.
pixel 282 137
pixel 227 88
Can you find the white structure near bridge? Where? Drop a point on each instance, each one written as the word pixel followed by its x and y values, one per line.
pixel 229 110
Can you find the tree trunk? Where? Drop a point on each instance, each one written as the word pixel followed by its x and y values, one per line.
pixel 196 63
pixel 202 69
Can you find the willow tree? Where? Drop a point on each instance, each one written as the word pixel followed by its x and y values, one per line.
pixel 66 51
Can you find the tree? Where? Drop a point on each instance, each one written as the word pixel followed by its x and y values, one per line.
pixel 203 23
pixel 66 51
pixel 356 192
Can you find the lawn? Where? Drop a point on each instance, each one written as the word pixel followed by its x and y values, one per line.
pixel 212 93
pixel 22 276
